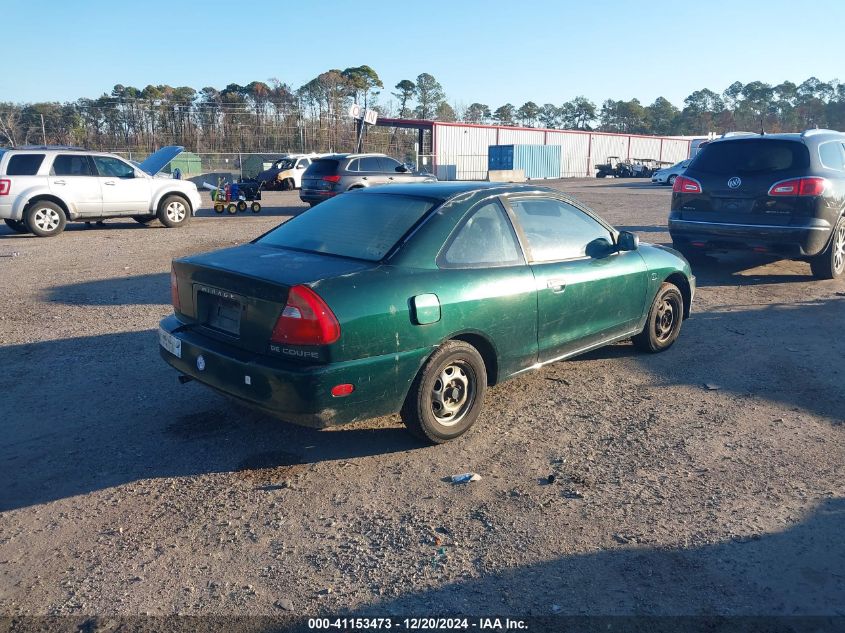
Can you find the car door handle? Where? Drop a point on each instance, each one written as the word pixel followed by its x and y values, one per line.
pixel 363 177
pixel 59 182
pixel 556 285
pixel 390 177
pixel 109 182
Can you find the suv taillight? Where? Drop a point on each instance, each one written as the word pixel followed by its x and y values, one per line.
pixel 335 178
pixel 174 291
pixel 306 320
pixel 5 185
pixel 799 187
pixel 686 185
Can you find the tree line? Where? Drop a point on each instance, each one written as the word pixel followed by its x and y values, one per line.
pixel 273 116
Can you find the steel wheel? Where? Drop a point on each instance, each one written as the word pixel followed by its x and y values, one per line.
pixel 453 393
pixel 839 249
pixel 667 314
pixel 175 211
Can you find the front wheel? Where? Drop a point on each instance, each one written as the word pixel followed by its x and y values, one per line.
pixel 446 397
pixel 663 324
pixel 18 226
pixel 831 263
pixel 45 219
pixel 173 212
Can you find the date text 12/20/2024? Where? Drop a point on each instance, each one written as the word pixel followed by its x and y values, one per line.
pixel 417 624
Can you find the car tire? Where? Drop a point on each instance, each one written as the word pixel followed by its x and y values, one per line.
pixel 143 219
pixel 663 324
pixel 18 226
pixel 45 219
pixel 288 184
pixel 830 264
pixel 174 211
pixel 671 180
pixel 447 394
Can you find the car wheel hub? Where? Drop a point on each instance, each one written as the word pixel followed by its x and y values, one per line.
pixel 839 248
pixel 451 394
pixel 46 219
pixel 665 320
pixel 175 211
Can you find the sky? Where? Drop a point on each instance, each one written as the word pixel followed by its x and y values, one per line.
pixel 490 52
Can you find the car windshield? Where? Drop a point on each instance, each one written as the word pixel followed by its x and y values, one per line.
pixel 752 156
pixel 344 225
pixel 285 163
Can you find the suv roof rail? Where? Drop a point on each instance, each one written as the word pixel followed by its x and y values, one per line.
pixel 815 130
pixel 739 133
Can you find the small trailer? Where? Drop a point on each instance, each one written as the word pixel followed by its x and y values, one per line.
pixel 238 196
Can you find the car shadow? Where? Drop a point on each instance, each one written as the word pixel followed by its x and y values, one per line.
pixel 115 403
pixel 152 289
pixel 778 579
pixel 740 269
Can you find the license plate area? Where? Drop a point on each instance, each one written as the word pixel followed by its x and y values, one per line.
pixel 170 343
pixel 220 313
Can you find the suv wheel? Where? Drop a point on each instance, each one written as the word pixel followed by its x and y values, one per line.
pixel 831 263
pixel 17 226
pixel 44 218
pixel 671 180
pixel 174 211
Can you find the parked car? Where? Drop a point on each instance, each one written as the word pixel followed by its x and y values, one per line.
pixel 41 189
pixel 330 175
pixel 286 173
pixel 782 194
pixel 667 176
pixel 414 298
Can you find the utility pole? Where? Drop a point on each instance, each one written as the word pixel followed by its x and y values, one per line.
pixel 43 130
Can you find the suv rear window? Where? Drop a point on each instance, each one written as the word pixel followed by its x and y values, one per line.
pixel 322 168
pixel 752 156
pixel 344 225
pixel 24 164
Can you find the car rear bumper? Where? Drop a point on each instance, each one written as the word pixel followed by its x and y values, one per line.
pixel 295 392
pixel 316 195
pixel 791 240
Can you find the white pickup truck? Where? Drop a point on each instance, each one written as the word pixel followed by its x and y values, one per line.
pixel 41 189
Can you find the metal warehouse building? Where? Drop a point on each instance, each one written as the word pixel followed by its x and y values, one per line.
pixel 458 151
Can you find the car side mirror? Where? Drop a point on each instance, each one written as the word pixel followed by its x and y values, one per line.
pixel 138 174
pixel 599 248
pixel 627 241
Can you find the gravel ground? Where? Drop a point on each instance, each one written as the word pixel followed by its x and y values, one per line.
pixel 708 479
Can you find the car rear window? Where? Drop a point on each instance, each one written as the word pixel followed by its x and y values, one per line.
pixel 24 164
pixel 322 168
pixel 752 156
pixel 359 225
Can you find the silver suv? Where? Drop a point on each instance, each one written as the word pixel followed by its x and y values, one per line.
pixel 43 188
pixel 333 174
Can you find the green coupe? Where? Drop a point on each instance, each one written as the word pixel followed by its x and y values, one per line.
pixel 415 299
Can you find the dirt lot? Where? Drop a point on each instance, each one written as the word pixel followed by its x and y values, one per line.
pixel 125 493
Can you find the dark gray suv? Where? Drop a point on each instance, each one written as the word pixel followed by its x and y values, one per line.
pixel 781 194
pixel 331 175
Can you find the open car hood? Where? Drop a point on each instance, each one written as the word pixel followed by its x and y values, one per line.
pixel 157 161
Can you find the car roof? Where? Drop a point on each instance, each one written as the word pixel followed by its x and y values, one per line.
pixel 800 137
pixel 446 190
pixel 342 156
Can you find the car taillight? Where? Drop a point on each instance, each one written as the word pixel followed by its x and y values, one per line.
pixel 174 291
pixel 335 178
pixel 799 187
pixel 686 185
pixel 306 320
pixel 5 185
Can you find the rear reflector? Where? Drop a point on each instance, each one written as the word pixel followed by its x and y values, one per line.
pixel 305 320
pixel 799 187
pixel 338 391
pixel 5 185
pixel 686 185
pixel 174 291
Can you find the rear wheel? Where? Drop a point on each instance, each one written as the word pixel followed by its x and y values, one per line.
pixel 446 397
pixel 45 219
pixel 17 226
pixel 255 207
pixel 663 324
pixel 831 263
pixel 174 211
pixel 671 180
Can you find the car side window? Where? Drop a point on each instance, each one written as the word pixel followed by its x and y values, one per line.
pixel 24 164
pixel 304 163
pixel 113 168
pixel 831 156
pixel 72 165
pixel 389 164
pixel 556 230
pixel 353 166
pixel 486 239
pixel 370 163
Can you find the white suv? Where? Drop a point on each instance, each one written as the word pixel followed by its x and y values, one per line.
pixel 41 189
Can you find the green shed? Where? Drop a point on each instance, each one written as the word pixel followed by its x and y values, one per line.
pixel 188 163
